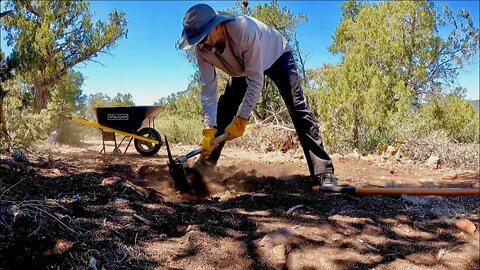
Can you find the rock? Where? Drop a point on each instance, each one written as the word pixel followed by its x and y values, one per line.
pixel 465 225
pixel 462 175
pixel 372 158
pixel 183 229
pixel 298 155
pixel 284 236
pixel 391 150
pixel 433 162
pixel 92 264
pixel 110 181
pixel 55 172
pixel 19 156
pixel 417 200
pixel 226 196
pixel 354 154
pixel 61 246
pixel 5 166
pixel 409 161
pixel 398 155
pixel 53 137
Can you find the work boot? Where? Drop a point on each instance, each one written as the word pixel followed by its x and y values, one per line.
pixel 326 179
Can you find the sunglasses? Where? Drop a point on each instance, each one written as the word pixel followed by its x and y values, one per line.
pixel 204 40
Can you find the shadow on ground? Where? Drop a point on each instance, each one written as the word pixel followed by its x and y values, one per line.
pixel 72 221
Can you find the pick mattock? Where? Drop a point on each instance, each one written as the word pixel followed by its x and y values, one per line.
pixel 175 166
pixel 398 191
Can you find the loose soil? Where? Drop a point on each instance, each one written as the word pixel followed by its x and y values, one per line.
pixel 72 208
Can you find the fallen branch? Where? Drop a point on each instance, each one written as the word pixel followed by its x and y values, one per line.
pixel 57 219
pixel 142 219
pixel 365 243
pixel 7 189
pixel 33 207
pixel 290 211
pixel 136 188
pixel 275 126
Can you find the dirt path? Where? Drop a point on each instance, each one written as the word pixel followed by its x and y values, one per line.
pixel 78 209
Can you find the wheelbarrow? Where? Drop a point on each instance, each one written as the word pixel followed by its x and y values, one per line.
pixel 135 122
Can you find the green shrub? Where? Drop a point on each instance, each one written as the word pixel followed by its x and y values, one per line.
pixel 178 128
pixel 451 114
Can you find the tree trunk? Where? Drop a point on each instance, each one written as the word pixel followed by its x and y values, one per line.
pixel 302 63
pixel 356 124
pixel 3 125
pixel 40 98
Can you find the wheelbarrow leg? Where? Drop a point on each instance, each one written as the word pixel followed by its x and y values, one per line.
pixel 128 145
pixel 103 143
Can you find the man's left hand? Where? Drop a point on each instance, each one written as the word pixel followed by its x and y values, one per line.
pixel 236 128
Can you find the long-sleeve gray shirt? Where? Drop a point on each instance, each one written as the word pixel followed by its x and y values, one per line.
pixel 251 47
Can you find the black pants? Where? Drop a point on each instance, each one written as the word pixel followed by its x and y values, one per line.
pixel 284 74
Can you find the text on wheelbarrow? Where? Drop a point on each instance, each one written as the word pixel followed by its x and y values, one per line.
pixel 117 116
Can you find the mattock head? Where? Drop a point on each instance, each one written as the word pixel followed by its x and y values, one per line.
pixel 177 171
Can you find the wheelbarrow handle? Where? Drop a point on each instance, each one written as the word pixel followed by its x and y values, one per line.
pixel 199 149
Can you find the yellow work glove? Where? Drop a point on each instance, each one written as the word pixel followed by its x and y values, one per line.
pixel 236 128
pixel 207 140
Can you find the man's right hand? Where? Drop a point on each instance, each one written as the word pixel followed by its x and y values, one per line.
pixel 207 140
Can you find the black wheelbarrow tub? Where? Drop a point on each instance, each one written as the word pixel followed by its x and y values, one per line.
pixel 127 119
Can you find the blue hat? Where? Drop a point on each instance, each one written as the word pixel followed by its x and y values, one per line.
pixel 198 21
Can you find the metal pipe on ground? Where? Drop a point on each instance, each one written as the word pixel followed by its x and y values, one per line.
pixel 398 191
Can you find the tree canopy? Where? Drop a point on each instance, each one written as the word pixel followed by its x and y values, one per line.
pixel 51 37
pixel 393 58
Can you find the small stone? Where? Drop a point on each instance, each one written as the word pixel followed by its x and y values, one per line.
pixel 284 236
pixel 391 150
pixel 433 162
pixel 354 154
pixel 372 158
pixel 409 161
pixel 299 155
pixel 465 225
pixel 110 181
pixel 5 166
pixel 226 196
pixel 56 172
pixel 19 156
pixel 398 155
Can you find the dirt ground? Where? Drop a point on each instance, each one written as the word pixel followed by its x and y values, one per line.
pixel 71 208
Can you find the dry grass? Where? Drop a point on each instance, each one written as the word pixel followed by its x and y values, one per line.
pixel 451 153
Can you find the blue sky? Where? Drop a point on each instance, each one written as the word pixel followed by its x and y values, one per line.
pixel 147 65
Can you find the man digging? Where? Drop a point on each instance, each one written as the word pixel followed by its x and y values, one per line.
pixel 247 50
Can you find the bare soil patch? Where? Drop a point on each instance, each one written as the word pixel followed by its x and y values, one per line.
pixel 71 208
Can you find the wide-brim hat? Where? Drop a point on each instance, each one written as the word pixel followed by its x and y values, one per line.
pixel 198 21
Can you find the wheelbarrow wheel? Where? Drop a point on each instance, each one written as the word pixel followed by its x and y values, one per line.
pixel 147 148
